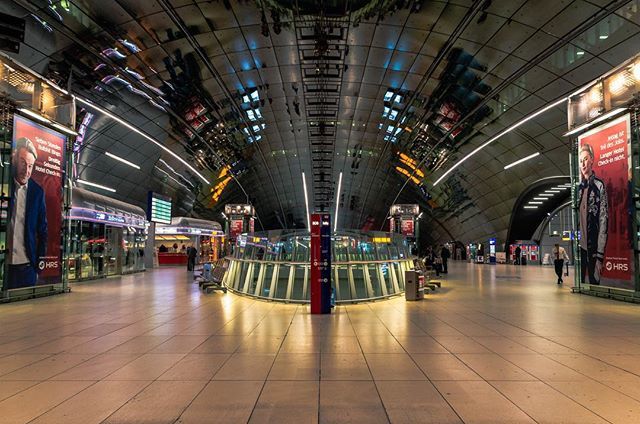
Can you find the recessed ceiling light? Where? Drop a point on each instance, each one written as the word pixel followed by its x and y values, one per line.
pixel 118 158
pixel 603 37
pixel 579 53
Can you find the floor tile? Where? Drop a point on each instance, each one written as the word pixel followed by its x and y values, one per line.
pixel 246 366
pixel 160 402
pixel 478 402
pixel 343 366
pixel 296 366
pixel 493 367
pixel 104 397
pixel 36 400
pixel 609 404
pixel 544 404
pixel 220 344
pixel 146 367
pixel 196 366
pixel 350 401
pixel 179 344
pixel 230 402
pixel 421 344
pixel 47 367
pixel 393 366
pixel 287 402
pixel 438 366
pixel 415 402
pixel 97 367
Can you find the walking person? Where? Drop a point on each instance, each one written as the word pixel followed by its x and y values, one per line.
pixel 445 254
pixel 559 256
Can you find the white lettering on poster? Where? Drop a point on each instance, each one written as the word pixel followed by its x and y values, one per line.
pixel 52 165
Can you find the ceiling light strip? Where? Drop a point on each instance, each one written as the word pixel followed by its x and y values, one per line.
pixel 306 201
pixel 118 158
pixel 335 221
pixel 136 130
pixel 524 159
pixel 89 183
pixel 499 135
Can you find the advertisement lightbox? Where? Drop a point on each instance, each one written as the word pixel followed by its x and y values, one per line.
pixel 604 163
pixel 34 256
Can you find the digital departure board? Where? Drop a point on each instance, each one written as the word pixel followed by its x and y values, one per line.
pixel 159 208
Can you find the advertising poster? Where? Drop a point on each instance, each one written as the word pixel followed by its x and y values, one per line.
pixel 604 196
pixel 34 256
pixel 235 228
pixel 406 225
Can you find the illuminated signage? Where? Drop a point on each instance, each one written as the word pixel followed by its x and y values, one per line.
pixel 159 208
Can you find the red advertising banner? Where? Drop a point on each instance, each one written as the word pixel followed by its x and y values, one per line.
pixel 235 228
pixel 34 255
pixel 604 155
pixel 316 263
pixel 406 225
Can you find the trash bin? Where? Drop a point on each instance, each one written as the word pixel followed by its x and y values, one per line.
pixel 412 286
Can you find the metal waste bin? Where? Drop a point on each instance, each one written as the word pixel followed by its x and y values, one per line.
pixel 412 290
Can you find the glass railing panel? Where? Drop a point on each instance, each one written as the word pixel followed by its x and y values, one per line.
pixel 297 291
pixel 283 280
pixel 375 281
pixel 343 283
pixel 359 282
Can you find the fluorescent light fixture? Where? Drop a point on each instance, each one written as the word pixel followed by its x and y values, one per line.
pixel 306 201
pixel 131 164
pixel 335 221
pixel 595 121
pixel 546 195
pixel 113 190
pixel 34 115
pixel 499 135
pixel 530 207
pixel 136 130
pixel 603 37
pixel 540 198
pixel 579 53
pixel 524 159
pixel 531 202
pixel 64 129
pixel 552 191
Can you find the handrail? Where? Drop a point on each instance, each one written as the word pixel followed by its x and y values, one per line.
pixel 376 261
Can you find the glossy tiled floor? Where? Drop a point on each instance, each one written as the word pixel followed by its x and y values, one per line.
pixel 496 345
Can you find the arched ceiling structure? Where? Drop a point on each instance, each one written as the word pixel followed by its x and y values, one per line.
pixel 390 93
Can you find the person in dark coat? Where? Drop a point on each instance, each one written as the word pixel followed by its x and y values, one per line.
pixel 445 254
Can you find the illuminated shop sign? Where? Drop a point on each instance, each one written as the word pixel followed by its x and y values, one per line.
pixel 187 230
pixel 83 214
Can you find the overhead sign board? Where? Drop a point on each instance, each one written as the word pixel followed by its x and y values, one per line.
pixel 159 208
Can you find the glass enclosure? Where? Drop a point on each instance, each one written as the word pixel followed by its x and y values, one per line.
pixel 275 265
pixel 98 250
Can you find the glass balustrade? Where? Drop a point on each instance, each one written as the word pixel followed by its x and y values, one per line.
pixel 275 265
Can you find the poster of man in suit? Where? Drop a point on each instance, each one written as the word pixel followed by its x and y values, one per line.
pixel 33 252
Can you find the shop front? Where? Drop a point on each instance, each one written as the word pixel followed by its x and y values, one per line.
pixel 107 237
pixel 173 241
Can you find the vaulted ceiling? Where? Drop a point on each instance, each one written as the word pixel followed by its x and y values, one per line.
pixel 389 93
